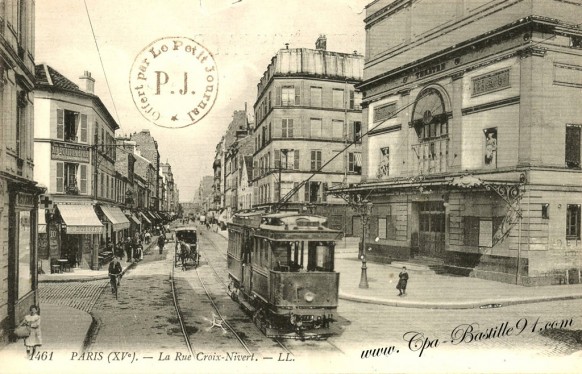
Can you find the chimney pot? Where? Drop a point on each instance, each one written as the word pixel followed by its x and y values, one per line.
pixel 87 82
pixel 321 43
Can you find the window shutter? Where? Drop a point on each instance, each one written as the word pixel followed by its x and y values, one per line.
pixel 60 177
pixel 60 124
pixel 351 99
pixel 83 178
pixel 297 95
pixel 296 160
pixel 296 194
pixel 573 146
pixel 351 131
pixel 284 125
pixel 306 194
pixel 84 128
pixel 277 158
pixel 277 194
pixel 324 192
pixel 313 160
pixel 290 128
pixel 278 97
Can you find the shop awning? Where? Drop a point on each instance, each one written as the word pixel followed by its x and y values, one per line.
pixel 145 218
pixel 152 217
pixel 134 219
pixel 156 214
pixel 41 222
pixel 116 217
pixel 80 219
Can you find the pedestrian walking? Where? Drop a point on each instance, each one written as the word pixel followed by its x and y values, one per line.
pixel 402 282
pixel 128 249
pixel 161 243
pixel 32 321
pixel 147 237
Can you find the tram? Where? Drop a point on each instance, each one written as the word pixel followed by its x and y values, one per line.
pixel 281 270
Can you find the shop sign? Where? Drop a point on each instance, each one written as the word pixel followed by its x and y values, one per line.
pixel 69 152
pixel 25 199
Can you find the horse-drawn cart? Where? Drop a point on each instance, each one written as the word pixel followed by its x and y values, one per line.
pixel 186 250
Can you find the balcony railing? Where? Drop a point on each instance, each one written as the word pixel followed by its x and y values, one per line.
pixel 432 156
pixel 72 190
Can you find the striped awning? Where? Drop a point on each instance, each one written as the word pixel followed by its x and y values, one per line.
pixel 358 159
pixel 80 219
pixel 116 217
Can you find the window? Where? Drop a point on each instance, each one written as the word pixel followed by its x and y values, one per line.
pixel 315 128
pixel 384 167
pixel 287 158
pixel 573 146
pixel 576 41
pixel 315 192
pixel 337 129
pixel 355 132
pixel 382 228
pixel 338 100
pixel 316 97
pixel 290 95
pixel 287 128
pixel 269 101
pixel 490 147
pixel 67 178
pixel 67 125
pixel 20 126
pixel 315 160
pixel 355 162
pixel 573 222
pixel 429 117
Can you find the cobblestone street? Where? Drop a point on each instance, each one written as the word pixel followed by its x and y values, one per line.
pixel 80 295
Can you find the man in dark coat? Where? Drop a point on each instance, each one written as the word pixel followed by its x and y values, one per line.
pixel 402 282
pixel 161 243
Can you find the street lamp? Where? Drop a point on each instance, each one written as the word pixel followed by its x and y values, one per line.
pixel 366 211
pixel 286 152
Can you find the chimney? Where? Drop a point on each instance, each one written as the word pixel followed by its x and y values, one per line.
pixel 321 43
pixel 87 82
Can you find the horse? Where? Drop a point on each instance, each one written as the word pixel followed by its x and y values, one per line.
pixel 186 252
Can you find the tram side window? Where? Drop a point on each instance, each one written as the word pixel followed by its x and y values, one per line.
pixel 279 256
pixel 320 257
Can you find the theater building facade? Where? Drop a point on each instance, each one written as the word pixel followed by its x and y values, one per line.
pixel 472 145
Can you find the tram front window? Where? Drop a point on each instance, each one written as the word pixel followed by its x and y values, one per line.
pixel 320 256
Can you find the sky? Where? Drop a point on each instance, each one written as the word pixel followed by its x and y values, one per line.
pixel 243 36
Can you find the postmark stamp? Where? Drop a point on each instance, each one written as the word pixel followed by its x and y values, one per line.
pixel 174 82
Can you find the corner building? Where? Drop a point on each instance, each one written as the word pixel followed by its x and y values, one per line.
pixel 307 111
pixel 472 159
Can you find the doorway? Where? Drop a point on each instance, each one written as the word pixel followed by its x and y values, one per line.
pixel 431 227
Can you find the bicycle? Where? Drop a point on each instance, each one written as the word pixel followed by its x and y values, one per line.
pixel 114 281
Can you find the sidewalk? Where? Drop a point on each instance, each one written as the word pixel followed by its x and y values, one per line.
pixel 434 291
pixel 58 333
pixel 85 274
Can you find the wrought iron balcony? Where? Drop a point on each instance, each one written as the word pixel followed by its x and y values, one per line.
pixel 432 155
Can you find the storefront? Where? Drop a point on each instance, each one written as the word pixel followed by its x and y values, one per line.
pixel 135 226
pixel 80 231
